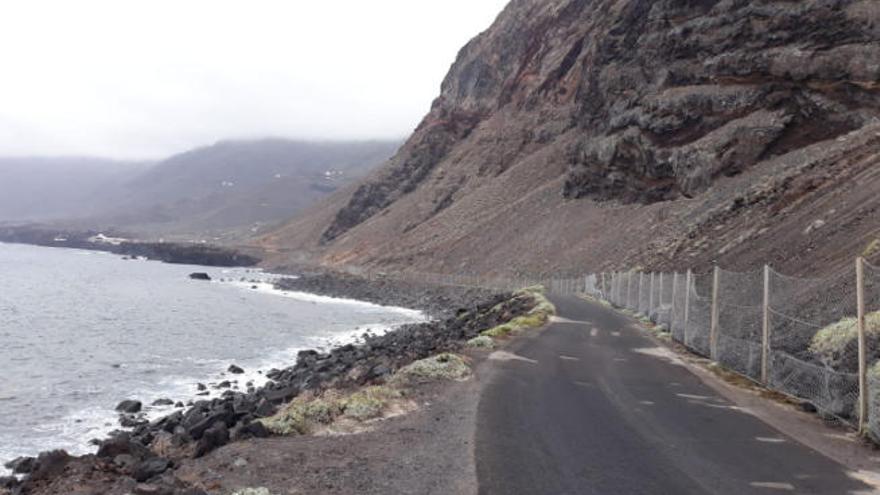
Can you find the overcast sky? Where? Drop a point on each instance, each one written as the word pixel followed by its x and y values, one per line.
pixel 144 79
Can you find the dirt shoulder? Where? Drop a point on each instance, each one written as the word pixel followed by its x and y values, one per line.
pixel 427 451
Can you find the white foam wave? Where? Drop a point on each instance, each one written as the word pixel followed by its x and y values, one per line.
pixel 269 288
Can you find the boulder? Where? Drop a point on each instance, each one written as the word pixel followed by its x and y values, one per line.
pixel 122 444
pixel 235 370
pixel 49 465
pixel 21 465
pixel 163 402
pixel 129 406
pixel 215 436
pixel 150 468
pixel 8 482
pixel 199 276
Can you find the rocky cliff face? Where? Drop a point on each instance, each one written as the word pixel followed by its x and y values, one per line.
pixel 572 104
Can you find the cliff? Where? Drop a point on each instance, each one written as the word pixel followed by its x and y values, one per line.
pixel 581 135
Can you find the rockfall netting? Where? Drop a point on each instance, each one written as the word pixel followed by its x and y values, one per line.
pixel 796 335
pixel 872 311
pixel 740 321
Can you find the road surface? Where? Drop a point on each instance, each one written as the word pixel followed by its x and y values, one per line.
pixel 591 406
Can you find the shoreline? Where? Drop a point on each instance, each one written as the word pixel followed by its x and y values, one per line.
pixel 91 240
pixel 80 427
pixel 187 433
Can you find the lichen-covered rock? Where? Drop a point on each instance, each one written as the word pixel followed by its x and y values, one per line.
pixel 836 345
pixel 252 491
pixel 303 415
pixel 538 316
pixel 481 342
pixel 444 366
pixel 369 403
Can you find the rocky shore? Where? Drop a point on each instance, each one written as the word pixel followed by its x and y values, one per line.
pixel 438 301
pixel 168 252
pixel 145 458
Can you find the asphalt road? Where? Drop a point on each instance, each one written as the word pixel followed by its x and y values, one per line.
pixel 595 409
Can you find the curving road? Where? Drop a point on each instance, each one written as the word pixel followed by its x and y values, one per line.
pixel 591 408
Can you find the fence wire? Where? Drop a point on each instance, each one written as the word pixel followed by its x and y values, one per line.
pixel 812 350
pixel 679 305
pixel 696 336
pixel 740 322
pixel 644 293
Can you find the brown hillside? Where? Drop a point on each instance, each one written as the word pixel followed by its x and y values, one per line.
pixel 584 135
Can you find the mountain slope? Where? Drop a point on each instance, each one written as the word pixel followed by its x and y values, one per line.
pixel 578 135
pixel 240 186
pixel 223 192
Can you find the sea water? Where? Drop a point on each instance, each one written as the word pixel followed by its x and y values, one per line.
pixel 82 330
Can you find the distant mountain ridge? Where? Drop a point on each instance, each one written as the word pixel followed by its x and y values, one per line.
pixel 229 189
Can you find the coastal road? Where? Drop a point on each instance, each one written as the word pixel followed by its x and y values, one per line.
pixel 591 406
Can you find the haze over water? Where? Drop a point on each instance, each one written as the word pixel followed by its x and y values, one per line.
pixel 82 330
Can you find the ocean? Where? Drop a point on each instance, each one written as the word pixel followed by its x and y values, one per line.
pixel 82 330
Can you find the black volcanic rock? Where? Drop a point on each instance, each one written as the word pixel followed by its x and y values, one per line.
pixel 129 406
pixel 199 276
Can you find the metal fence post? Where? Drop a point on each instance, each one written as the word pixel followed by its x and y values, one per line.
pixel 674 296
pixel 660 292
pixel 651 296
pixel 629 283
pixel 687 304
pixel 863 365
pixel 713 330
pixel 765 337
pixel 641 284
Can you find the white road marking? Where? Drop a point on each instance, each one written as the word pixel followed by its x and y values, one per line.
pixel 594 332
pixel 568 358
pixel 509 356
pixel 773 485
pixel 695 397
pixel 770 439
pixel 615 334
pixel 559 319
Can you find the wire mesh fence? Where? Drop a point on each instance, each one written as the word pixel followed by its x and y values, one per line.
pixel 872 345
pixel 798 336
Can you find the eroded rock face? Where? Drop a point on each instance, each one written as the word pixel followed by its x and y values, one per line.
pixel 655 99
pixel 677 93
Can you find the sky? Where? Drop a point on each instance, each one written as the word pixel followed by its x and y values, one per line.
pixel 133 79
